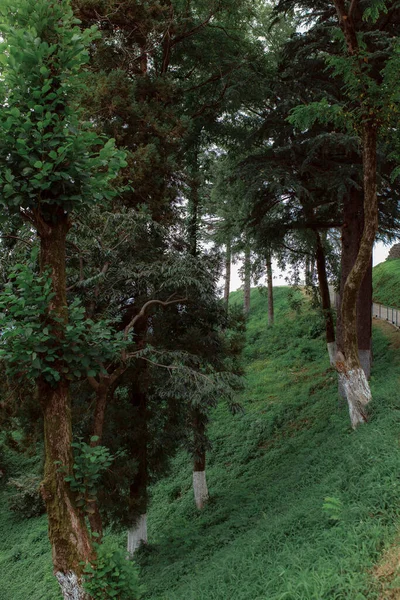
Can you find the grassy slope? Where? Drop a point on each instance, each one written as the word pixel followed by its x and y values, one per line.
pixel 386 282
pixel 25 556
pixel 264 534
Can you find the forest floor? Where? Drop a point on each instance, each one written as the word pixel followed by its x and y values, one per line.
pixel 301 507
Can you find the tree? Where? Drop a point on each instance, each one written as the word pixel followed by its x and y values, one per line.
pixel 371 95
pixel 52 167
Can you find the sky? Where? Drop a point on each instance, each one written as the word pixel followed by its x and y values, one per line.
pixel 379 255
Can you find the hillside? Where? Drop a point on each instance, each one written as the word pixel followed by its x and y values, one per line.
pixel 386 283
pixel 267 533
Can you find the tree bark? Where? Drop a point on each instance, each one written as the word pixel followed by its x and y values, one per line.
pixel 68 533
pixel 200 488
pixel 247 280
pixel 270 285
pixel 228 259
pixel 353 219
pixel 348 365
pixel 137 534
pixel 325 298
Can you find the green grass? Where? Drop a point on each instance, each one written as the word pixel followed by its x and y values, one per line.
pixel 264 534
pixel 386 282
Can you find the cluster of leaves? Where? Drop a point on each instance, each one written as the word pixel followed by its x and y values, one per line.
pixel 89 464
pixel 26 500
pixel 46 152
pixel 29 343
pixel 111 576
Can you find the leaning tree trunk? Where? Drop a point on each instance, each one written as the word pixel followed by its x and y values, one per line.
pixel 247 280
pixel 351 374
pixel 200 488
pixel 353 225
pixel 228 259
pixel 325 298
pixel 69 537
pixel 270 285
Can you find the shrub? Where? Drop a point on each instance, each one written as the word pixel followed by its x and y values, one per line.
pixel 26 501
pixel 111 575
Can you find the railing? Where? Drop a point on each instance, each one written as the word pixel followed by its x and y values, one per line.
pixel 379 311
pixel 386 313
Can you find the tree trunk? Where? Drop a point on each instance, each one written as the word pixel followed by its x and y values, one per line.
pixel 351 374
pixel 68 533
pixel 270 291
pixel 95 520
pixel 352 230
pixel 325 298
pixel 193 207
pixel 228 258
pixel 137 534
pixel 200 488
pixel 247 280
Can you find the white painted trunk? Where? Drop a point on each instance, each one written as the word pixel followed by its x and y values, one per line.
pixel 200 488
pixel 331 346
pixel 356 388
pixel 138 534
pixel 71 588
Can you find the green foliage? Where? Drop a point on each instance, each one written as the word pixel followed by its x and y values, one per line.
pixel 305 116
pixel 264 532
pixel 29 345
pixel 333 508
pixel 89 464
pixel 26 499
pixel 376 8
pixel 386 283
pixel 112 576
pixel 47 156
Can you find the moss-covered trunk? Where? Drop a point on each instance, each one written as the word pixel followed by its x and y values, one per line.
pixel 353 379
pixel 68 534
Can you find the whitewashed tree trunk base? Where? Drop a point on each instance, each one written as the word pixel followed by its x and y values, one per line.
pixel 357 391
pixel 365 358
pixel 137 535
pixel 200 488
pixel 332 353
pixel 71 588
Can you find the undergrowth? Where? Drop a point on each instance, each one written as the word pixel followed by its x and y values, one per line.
pixel 266 533
pixel 300 507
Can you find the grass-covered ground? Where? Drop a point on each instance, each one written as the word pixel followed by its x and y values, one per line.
pixel 265 534
pixel 386 282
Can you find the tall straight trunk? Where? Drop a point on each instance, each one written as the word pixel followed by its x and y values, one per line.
pixel 200 488
pixel 69 537
pixel 95 520
pixel 325 298
pixel 228 259
pixel 352 376
pixel 270 285
pixel 193 206
pixel 137 533
pixel 247 280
